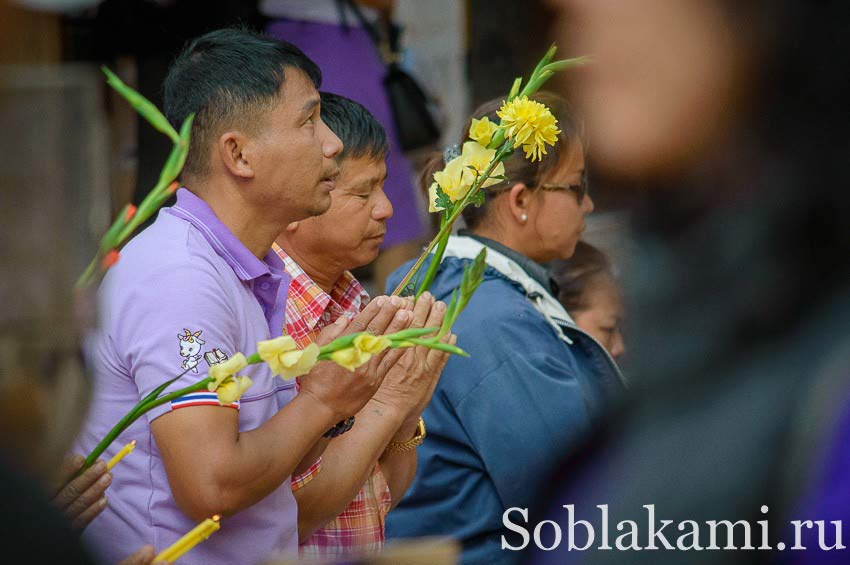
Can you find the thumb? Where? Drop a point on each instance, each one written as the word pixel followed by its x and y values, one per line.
pixel 332 331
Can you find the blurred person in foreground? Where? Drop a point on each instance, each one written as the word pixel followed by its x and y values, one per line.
pixel 202 284
pixel 535 384
pixel 735 114
pixel 44 388
pixel 589 291
pixel 365 472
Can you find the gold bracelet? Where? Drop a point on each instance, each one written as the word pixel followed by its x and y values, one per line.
pixel 412 443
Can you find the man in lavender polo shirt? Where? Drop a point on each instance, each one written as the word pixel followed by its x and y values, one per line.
pixel 200 285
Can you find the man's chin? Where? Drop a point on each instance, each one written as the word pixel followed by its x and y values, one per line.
pixel 321 205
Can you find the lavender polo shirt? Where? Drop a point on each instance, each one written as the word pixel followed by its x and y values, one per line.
pixel 186 293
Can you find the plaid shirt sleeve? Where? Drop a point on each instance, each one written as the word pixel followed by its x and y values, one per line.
pixel 300 481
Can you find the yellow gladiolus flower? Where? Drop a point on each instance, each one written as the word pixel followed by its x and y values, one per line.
pixel 350 357
pixel 453 180
pixel 530 124
pixel 371 344
pixel 232 389
pixel 457 178
pixel 476 155
pixel 284 358
pixel 482 130
pixel 296 363
pixel 222 371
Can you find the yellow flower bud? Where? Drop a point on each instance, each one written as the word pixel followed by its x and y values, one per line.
pixel 372 344
pixel 482 130
pixel 284 359
pixel 350 357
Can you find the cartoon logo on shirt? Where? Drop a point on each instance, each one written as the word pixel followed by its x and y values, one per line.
pixel 190 349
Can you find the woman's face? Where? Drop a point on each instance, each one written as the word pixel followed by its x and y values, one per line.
pixel 556 216
pixel 602 316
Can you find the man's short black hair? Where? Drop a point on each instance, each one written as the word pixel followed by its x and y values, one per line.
pixel 361 134
pixel 228 77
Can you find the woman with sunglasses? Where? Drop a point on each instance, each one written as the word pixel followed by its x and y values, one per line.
pixel 535 384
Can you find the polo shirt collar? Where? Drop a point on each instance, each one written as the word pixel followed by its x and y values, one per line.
pixel 245 264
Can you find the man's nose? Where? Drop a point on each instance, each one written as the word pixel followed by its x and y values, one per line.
pixel 331 144
pixel 383 209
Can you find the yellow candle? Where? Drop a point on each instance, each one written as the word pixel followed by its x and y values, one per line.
pixel 120 455
pixel 198 534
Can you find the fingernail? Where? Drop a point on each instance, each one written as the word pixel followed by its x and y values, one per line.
pixel 78 460
pixel 440 306
pixel 100 466
pixel 426 295
pixel 103 502
pixel 105 480
pixel 401 316
pixel 381 300
pixel 395 301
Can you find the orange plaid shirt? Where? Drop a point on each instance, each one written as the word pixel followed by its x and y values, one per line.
pixel 360 527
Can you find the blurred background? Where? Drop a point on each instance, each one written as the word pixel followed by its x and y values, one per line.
pixel 98 154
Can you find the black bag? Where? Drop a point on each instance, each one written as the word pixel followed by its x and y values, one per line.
pixel 415 125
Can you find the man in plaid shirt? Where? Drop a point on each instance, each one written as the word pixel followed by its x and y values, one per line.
pixel 344 497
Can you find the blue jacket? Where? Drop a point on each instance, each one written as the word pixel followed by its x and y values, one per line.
pixel 500 419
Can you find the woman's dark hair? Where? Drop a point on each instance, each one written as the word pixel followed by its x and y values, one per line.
pixel 576 275
pixel 227 77
pixel 517 167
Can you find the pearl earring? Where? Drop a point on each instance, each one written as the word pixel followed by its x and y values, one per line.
pixel 523 217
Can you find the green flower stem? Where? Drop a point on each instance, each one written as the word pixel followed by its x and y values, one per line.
pixel 89 274
pixel 152 400
pixel 141 408
pixel 431 273
pixel 447 228
pixel 435 344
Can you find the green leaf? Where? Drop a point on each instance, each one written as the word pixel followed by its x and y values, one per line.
pixel 515 88
pixel 142 105
pixel 443 200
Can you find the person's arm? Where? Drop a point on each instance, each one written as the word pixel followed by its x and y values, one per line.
pixel 350 459
pixel 213 468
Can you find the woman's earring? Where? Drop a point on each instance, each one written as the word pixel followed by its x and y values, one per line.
pixel 523 217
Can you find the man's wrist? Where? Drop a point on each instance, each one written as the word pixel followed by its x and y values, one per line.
pixel 319 409
pixel 407 430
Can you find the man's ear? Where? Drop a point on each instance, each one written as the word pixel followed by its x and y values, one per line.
pixel 519 199
pixel 233 152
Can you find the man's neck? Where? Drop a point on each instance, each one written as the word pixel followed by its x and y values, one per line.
pixel 323 273
pixel 256 231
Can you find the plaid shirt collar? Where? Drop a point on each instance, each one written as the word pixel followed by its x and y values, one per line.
pixel 309 308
